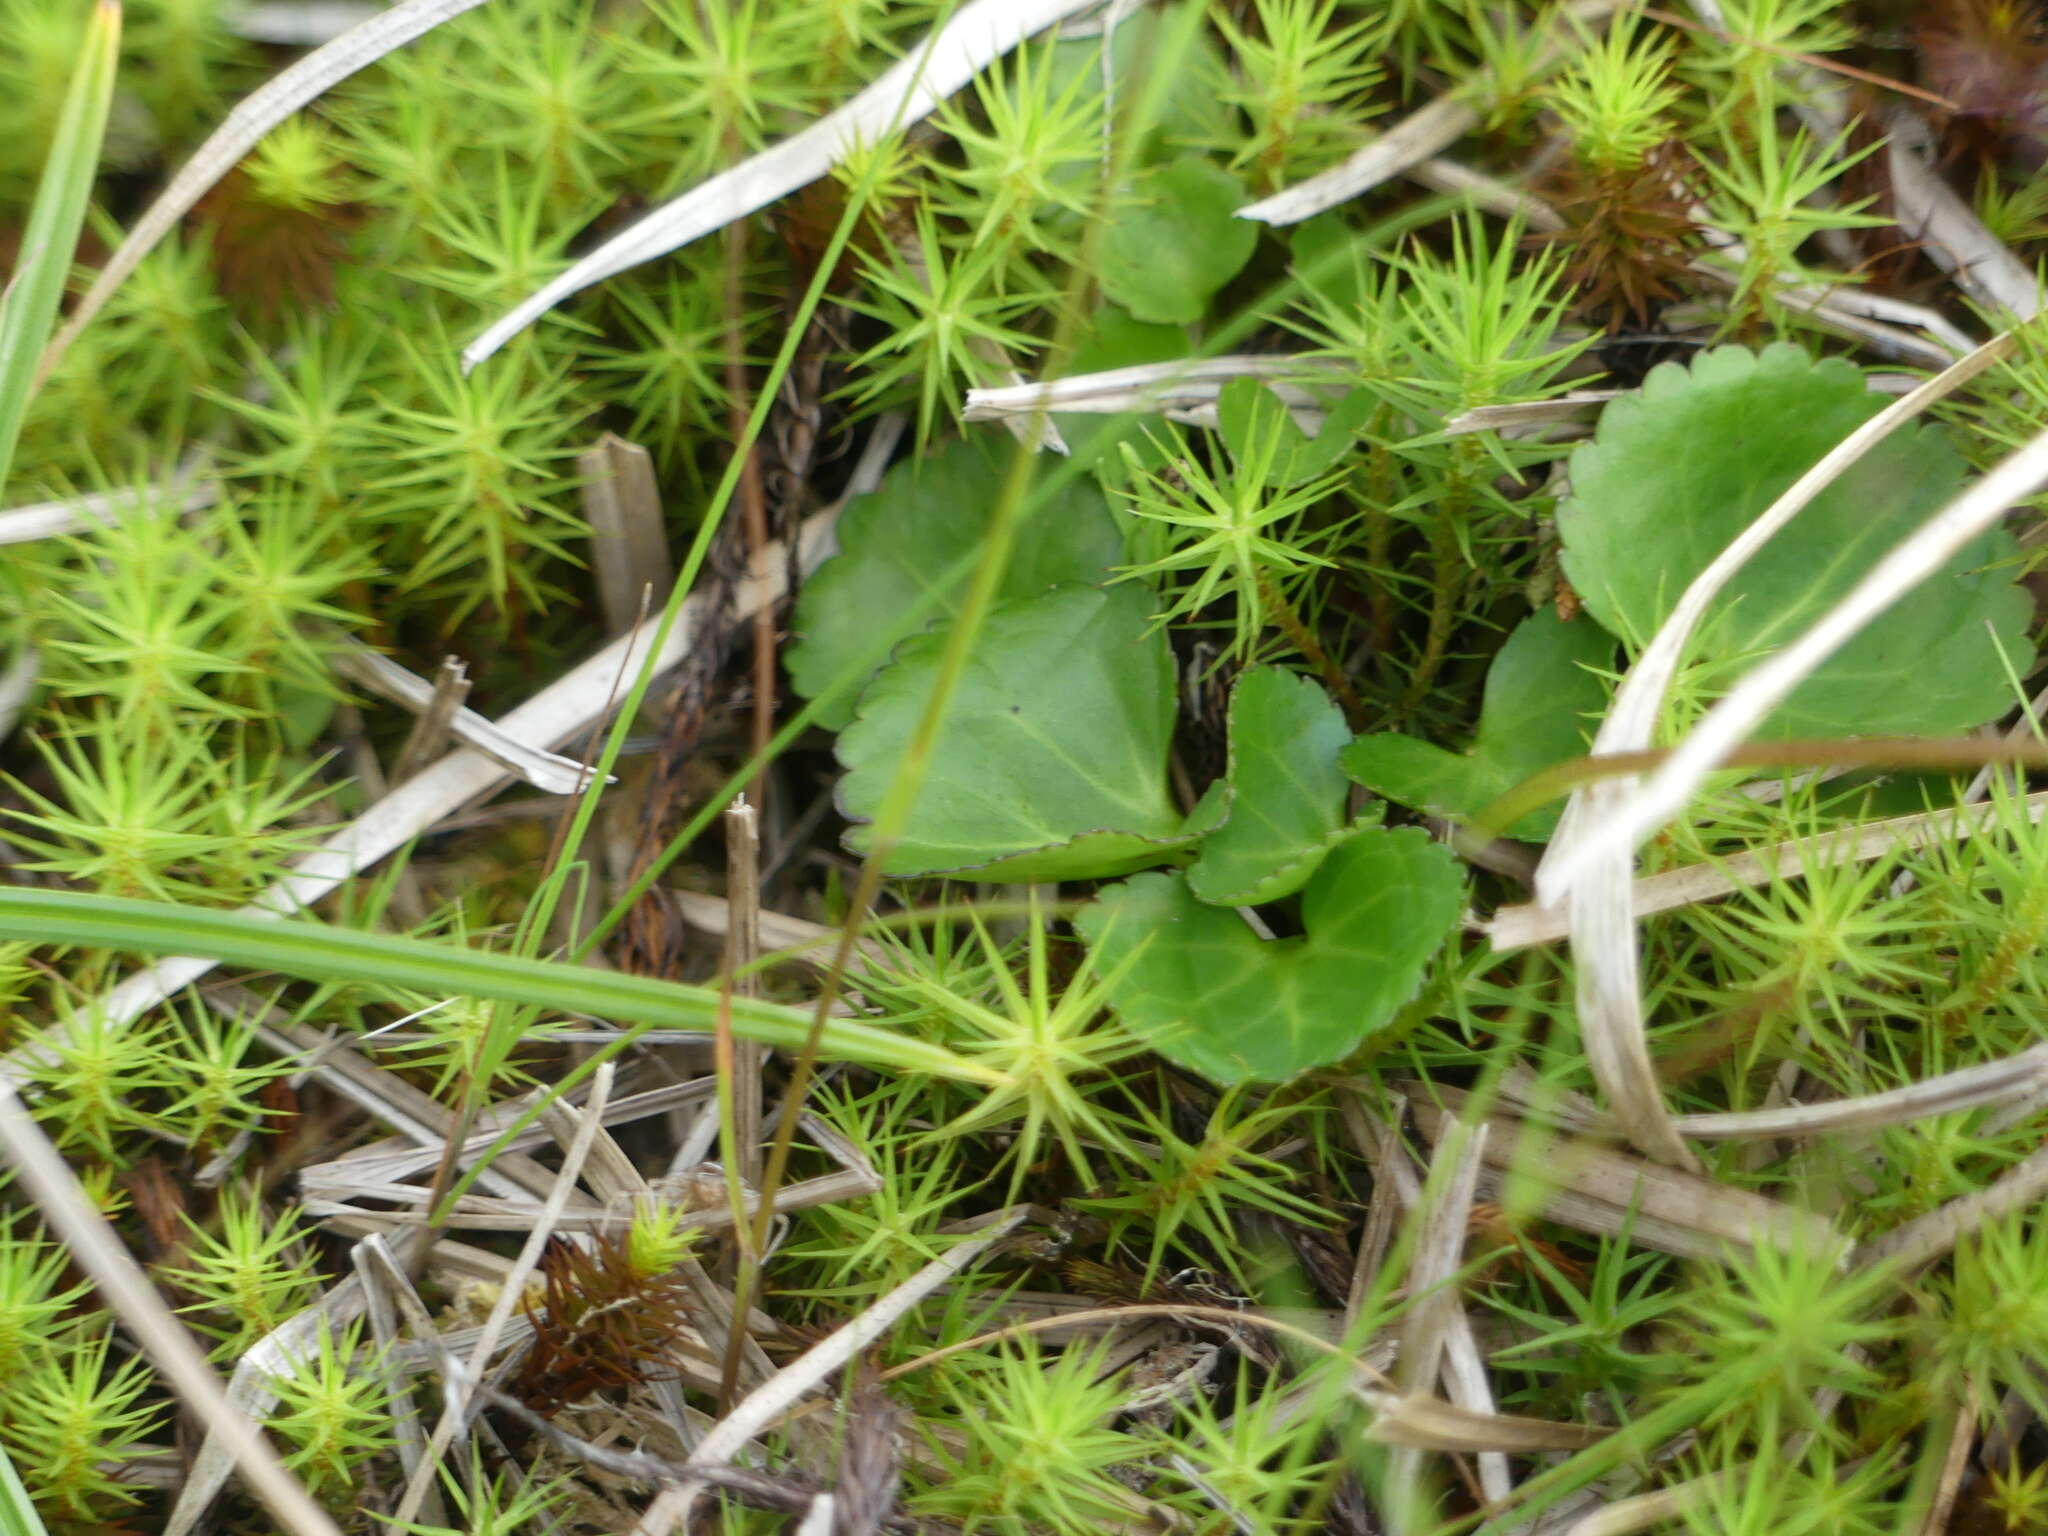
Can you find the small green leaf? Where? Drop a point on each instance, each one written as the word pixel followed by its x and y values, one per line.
pixel 1284 789
pixel 1208 993
pixel 900 544
pixel 28 305
pixel 1266 442
pixel 1341 425
pixel 1176 242
pixel 1685 464
pixel 1051 761
pixel 1261 433
pixel 1540 690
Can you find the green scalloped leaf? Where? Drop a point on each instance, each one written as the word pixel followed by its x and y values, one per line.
pixel 1207 992
pixel 1541 689
pixel 1051 761
pixel 1678 469
pixel 1283 792
pixel 1176 241
pixel 898 545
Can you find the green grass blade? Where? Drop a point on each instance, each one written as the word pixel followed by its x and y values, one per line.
pixel 299 948
pixel 17 1512
pixel 29 307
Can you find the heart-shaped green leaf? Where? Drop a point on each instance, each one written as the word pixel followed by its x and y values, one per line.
pixel 1208 993
pixel 1683 465
pixel 899 545
pixel 1283 794
pixel 1051 760
pixel 1176 241
pixel 1541 689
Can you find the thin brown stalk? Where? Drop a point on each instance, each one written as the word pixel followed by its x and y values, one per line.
pixel 1284 614
pixel 1447 588
pixel 753 496
pixel 1810 60
pixel 738 1065
pixel 742 950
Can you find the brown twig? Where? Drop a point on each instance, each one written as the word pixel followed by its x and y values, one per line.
pixel 739 1065
pixel 1810 60
pixel 1303 639
pixel 753 497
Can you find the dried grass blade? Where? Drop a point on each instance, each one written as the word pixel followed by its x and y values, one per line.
pixel 1624 1516
pixel 1518 927
pixel 18 686
pixel 1587 867
pixel 246 124
pixel 1991 1082
pixel 250 1388
pixel 1438 1250
pixel 1608 992
pixel 1175 386
pixel 1436 1323
pixel 456 1412
pixel 1962 1439
pixel 1627 1188
pixel 978 34
pixel 387 1291
pixel 1424 1423
pixel 424 1126
pixel 1416 138
pixel 776 1396
pixel 1926 1238
pixel 1944 226
pixel 96 1248
pixel 1889 329
pixel 1487 193
pixel 868 1472
pixel 549 772
pixel 628 536
pixel 94 509
pixel 1381 1213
